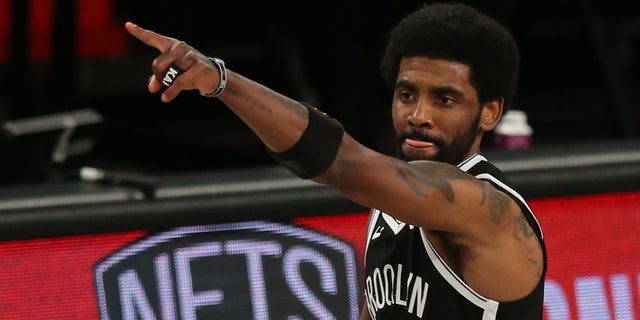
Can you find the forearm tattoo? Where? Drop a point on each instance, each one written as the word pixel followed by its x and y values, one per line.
pixel 282 100
pixel 259 103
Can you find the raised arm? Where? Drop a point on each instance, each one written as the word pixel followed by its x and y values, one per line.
pixel 429 194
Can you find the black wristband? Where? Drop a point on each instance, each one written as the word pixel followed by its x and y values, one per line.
pixel 317 147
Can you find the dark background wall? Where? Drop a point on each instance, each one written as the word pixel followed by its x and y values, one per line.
pixel 579 76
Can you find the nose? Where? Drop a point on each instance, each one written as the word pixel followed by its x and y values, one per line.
pixel 422 116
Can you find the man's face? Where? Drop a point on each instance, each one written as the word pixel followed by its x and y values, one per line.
pixel 436 113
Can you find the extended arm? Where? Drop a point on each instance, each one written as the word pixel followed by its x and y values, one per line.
pixel 428 194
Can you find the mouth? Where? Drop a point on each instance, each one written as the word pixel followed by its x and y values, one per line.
pixel 418 143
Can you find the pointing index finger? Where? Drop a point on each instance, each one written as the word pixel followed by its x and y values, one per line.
pixel 158 41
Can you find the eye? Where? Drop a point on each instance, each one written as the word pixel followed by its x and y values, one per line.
pixel 406 96
pixel 444 100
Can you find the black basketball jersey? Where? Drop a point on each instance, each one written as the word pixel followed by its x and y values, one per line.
pixel 405 278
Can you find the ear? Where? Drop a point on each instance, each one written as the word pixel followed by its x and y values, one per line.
pixel 491 114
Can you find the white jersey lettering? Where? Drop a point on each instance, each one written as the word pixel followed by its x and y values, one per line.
pixel 385 288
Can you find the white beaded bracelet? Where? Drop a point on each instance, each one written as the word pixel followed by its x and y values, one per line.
pixel 223 78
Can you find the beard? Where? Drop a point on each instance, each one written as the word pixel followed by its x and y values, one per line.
pixel 452 153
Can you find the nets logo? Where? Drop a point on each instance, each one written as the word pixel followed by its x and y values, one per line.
pixel 249 270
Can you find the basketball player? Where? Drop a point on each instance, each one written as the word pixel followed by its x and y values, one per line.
pixel 448 238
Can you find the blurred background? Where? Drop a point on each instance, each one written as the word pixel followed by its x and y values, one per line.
pixel 73 82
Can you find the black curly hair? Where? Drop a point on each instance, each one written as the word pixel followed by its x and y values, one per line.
pixel 458 32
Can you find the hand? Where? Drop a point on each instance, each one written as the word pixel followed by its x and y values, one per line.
pixel 199 72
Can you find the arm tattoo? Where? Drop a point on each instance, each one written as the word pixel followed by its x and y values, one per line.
pixel 484 191
pixel 259 103
pixel 438 176
pixel 402 172
pixel 498 206
pixel 284 101
pixel 524 226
